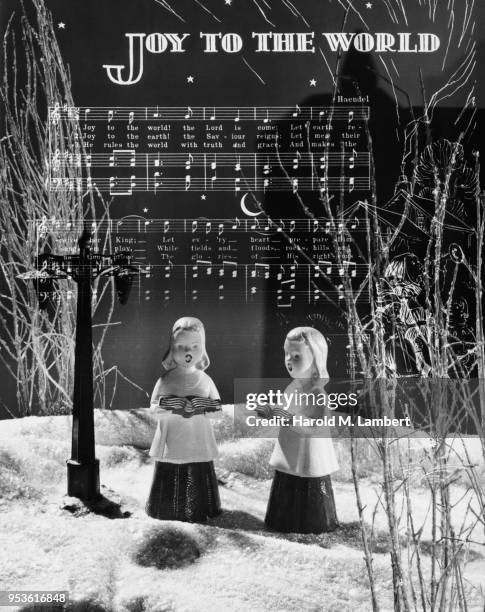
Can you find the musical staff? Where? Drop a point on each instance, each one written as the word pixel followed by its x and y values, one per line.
pixel 264 114
pixel 127 150
pixel 133 224
pixel 285 285
pixel 266 161
pixel 128 185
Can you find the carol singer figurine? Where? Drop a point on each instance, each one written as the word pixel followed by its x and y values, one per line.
pixel 301 498
pixel 184 485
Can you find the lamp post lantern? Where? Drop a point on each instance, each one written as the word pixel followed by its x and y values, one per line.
pixel 83 467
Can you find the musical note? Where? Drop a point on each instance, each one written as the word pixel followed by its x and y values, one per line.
pixel 352 266
pixel 297 111
pixel 294 185
pixel 292 226
pixel 237 185
pixel 158 162
pixel 221 289
pixel 202 262
pixel 328 264
pixel 237 224
pixel 156 182
pixel 260 266
pixel 116 185
pixel 208 227
pixel 189 113
pixel 220 228
pixel 352 159
pixel 194 226
pixel 131 116
pixel 168 269
pixel 110 116
pixel 166 226
pixel 213 116
pixel 351 184
pixel 187 182
pixel 189 161
pixel 296 160
pixel 156 114
pixel 232 266
pixel 118 158
pixel 86 113
pixel 214 169
pixel 266 119
pixel 350 117
pixel 237 117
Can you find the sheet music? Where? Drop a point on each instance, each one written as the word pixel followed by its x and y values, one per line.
pixel 234 149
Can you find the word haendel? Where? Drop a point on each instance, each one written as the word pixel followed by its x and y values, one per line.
pixel 266 42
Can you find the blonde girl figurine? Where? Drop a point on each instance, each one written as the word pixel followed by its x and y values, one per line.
pixel 184 485
pixel 301 498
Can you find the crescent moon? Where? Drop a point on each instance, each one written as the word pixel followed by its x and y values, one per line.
pixel 245 209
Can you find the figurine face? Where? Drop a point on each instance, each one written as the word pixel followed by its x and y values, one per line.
pixel 298 359
pixel 187 348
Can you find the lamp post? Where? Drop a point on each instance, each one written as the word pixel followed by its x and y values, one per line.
pixel 83 467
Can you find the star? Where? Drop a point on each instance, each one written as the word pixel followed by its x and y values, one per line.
pixel 228 2
pixel 368 5
pixel 61 25
pixel 190 79
pixel 203 196
pixel 145 210
pixel 313 83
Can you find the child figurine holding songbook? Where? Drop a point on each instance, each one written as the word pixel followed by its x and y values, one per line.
pixel 301 498
pixel 184 485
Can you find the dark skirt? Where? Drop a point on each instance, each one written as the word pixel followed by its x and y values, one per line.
pixel 301 505
pixel 184 492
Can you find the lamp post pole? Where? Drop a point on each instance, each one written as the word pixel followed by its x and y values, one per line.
pixel 83 467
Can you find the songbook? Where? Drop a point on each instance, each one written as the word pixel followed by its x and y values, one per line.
pixel 190 405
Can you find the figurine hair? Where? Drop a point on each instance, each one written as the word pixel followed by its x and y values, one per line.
pixel 317 345
pixel 193 325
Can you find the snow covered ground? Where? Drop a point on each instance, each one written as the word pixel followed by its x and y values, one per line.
pixel 139 564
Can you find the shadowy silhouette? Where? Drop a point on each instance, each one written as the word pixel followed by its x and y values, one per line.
pixel 100 505
pixel 347 534
pixel 167 548
pixel 238 519
pixel 359 84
